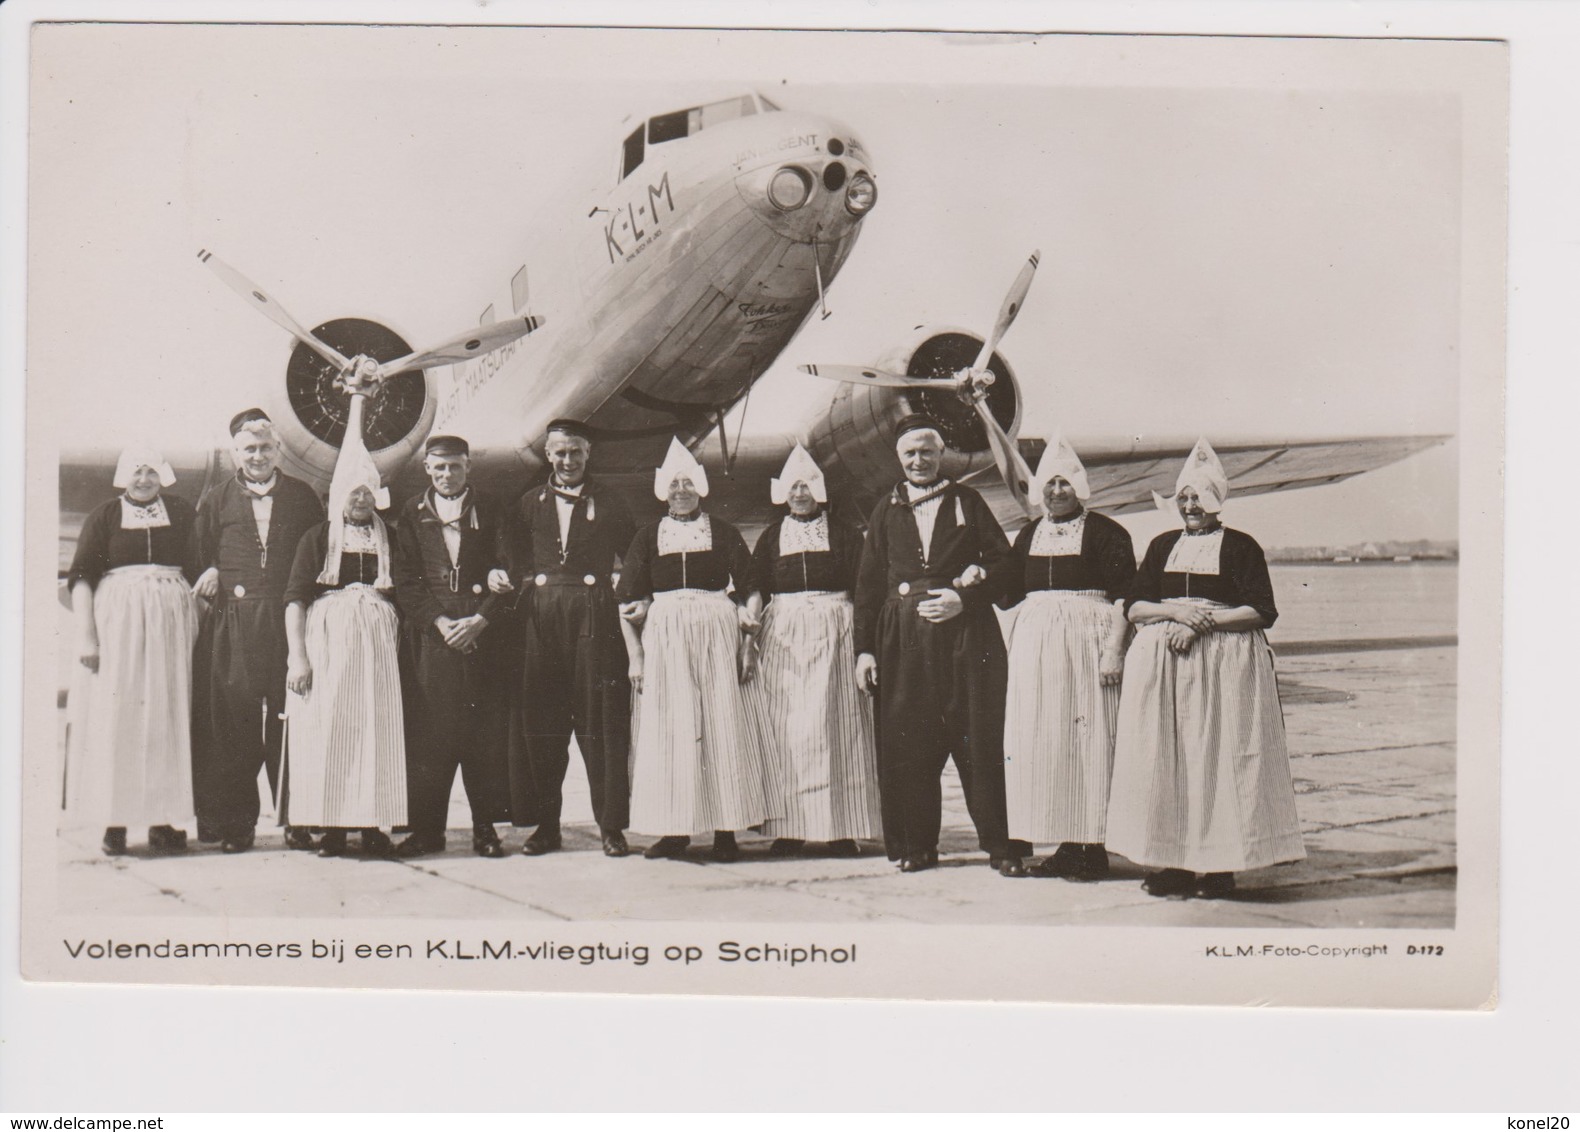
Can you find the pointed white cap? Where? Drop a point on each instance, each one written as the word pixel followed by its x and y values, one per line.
pixel 679 461
pixel 1204 472
pixel 353 469
pixel 798 467
pixel 135 456
pixel 1059 459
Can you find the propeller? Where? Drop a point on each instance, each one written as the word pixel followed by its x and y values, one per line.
pixel 971 386
pixel 259 299
pixel 468 344
pixel 865 375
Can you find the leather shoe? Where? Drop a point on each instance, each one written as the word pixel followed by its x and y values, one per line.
pixel 919 862
pixel 165 839
pixel 485 842
pixel 725 850
pixel 844 847
pixel 376 843
pixel 667 847
pixel 1075 861
pixel 333 843
pixel 238 842
pixel 1008 866
pixel 542 841
pixel 207 833
pixel 419 845
pixel 786 847
pixel 1170 882
pixel 301 838
pixel 1215 886
pixel 1094 861
pixel 615 844
pixel 115 841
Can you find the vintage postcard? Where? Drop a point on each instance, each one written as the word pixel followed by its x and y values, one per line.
pixel 738 512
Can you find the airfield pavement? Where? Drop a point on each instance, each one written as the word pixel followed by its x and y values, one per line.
pixel 1372 738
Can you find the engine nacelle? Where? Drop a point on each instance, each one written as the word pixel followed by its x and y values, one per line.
pixel 310 411
pixel 854 441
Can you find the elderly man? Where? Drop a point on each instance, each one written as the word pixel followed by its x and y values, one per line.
pixel 452 569
pixel 246 535
pixel 571 532
pixel 929 646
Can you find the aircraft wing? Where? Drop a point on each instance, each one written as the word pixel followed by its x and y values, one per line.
pixel 1124 476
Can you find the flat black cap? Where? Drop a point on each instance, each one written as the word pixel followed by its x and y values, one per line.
pixel 912 422
pixel 570 428
pixel 446 446
pixel 245 417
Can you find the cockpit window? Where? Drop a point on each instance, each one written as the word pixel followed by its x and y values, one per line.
pixel 633 152
pixel 683 123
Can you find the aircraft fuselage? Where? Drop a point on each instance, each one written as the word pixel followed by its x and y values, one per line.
pixel 687 281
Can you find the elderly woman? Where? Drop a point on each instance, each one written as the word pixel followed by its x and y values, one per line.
pixel 345 746
pixel 129 761
pixel 1072 570
pixel 815 725
pixel 695 766
pixel 1201 775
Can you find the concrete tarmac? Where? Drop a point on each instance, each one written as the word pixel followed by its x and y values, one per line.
pixel 1372 738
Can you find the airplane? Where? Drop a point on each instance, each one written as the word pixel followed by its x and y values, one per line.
pixel 723 227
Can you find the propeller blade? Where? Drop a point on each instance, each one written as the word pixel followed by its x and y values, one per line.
pixel 1012 304
pixel 1013 469
pixel 258 298
pixel 466 345
pixel 860 375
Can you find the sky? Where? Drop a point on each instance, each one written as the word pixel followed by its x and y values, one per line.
pixel 1252 240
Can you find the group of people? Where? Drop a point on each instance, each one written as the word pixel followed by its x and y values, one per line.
pixel 812 688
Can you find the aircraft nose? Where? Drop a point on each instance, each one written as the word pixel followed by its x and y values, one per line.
pixel 818 188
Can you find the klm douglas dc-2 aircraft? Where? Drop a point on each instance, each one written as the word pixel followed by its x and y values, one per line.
pixel 726 224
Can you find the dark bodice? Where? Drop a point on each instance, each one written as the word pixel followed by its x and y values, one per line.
pixel 834 569
pixel 1242 577
pixel 102 545
pixel 1107 562
pixel 646 572
pixel 304 585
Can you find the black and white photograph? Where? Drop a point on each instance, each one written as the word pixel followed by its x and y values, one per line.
pixel 759 512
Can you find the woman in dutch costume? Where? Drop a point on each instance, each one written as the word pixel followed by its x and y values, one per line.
pixel 129 755
pixel 1072 570
pixel 814 723
pixel 695 766
pixel 345 746
pixel 1202 787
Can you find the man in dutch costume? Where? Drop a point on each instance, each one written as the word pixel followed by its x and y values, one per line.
pixel 246 535
pixel 928 645
pixel 452 552
pixel 574 682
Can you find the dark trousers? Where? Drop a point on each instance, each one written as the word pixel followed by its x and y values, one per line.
pixel 574 682
pixel 457 715
pixel 941 695
pixel 242 685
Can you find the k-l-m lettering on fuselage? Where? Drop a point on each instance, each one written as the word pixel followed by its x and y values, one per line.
pixel 692 274
pixel 634 220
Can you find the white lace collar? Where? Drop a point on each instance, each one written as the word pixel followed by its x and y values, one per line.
pixel 693 536
pixel 1196 554
pixel 797 537
pixel 1056 538
pixel 142 517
